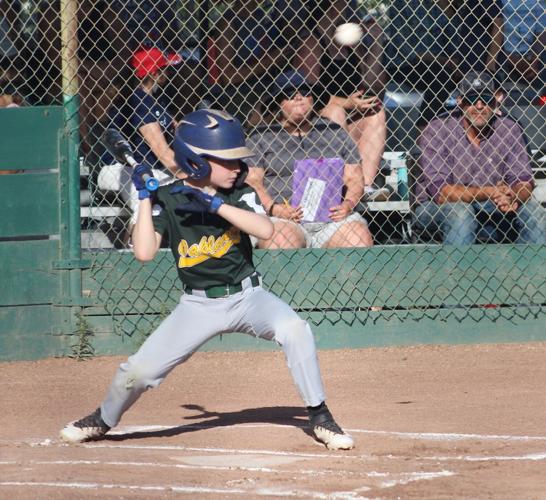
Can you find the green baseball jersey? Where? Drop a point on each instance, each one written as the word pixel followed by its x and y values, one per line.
pixel 207 249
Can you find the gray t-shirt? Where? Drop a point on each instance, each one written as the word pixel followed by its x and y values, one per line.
pixel 276 150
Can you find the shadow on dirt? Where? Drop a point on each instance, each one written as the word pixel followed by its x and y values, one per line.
pixel 277 415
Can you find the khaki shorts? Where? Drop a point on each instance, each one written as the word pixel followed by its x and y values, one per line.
pixel 317 234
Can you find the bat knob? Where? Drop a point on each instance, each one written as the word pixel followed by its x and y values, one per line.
pixel 152 184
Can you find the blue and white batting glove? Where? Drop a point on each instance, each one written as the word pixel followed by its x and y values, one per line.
pixel 139 181
pixel 198 201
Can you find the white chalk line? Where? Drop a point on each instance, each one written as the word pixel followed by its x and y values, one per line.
pixel 469 458
pixel 327 455
pixel 450 436
pixel 405 476
pixel 192 489
pixel 426 436
pixel 494 458
pixel 429 436
pixel 186 466
pixel 411 477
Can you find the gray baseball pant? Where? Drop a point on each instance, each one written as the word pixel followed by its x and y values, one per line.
pixel 197 319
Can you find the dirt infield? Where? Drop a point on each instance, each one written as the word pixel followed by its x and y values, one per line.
pixel 430 422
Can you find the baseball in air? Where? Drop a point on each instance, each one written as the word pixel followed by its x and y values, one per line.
pixel 348 34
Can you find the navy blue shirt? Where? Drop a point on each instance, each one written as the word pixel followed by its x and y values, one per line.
pixel 140 109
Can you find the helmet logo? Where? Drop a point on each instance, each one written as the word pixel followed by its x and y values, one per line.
pixel 213 122
pixel 221 114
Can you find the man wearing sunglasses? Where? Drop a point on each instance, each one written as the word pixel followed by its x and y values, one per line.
pixel 476 181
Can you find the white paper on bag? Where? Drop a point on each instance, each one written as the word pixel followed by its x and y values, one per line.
pixel 310 201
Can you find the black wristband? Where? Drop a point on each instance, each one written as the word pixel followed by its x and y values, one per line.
pixel 270 209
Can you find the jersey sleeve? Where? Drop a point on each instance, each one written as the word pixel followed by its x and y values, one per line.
pixel 160 218
pixel 247 199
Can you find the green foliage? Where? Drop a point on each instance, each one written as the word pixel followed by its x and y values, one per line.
pixel 82 349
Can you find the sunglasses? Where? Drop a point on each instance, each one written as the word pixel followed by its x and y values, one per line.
pixel 304 91
pixel 472 99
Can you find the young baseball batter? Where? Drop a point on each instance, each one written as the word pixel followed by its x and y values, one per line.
pixel 207 219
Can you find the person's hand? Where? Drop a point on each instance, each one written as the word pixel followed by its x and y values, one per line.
pixel 139 182
pixel 340 212
pixel 286 211
pixel 362 104
pixel 505 198
pixel 198 201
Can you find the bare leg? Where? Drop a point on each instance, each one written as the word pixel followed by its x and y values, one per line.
pixel 355 234
pixel 286 235
pixel 370 134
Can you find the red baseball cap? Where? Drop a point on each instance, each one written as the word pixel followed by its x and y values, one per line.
pixel 150 61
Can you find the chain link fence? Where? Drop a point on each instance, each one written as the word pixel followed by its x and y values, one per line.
pixel 382 138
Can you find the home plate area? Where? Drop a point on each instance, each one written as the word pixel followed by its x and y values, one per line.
pixel 137 462
pixel 428 421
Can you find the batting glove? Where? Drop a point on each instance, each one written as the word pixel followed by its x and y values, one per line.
pixel 139 181
pixel 198 201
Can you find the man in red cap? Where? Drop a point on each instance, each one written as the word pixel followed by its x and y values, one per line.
pixel 145 121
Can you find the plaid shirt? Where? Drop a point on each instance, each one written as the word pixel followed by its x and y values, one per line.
pixel 449 158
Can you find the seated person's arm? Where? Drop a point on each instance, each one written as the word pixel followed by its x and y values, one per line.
pixel 255 179
pixel 356 101
pixel 523 191
pixel 502 195
pixel 468 194
pixel 353 180
pixel 436 171
pixel 354 183
pixel 152 134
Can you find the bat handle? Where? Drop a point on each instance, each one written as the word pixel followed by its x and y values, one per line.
pixel 151 182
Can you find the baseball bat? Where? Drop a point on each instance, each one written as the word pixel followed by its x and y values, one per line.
pixel 118 146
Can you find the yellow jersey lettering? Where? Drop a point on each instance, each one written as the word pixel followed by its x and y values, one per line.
pixel 207 248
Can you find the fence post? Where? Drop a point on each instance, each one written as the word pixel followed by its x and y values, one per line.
pixel 70 175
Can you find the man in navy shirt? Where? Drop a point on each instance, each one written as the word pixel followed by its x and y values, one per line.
pixel 146 121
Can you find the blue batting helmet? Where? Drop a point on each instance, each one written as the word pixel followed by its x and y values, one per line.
pixel 208 133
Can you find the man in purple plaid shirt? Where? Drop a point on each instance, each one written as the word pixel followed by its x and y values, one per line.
pixel 476 175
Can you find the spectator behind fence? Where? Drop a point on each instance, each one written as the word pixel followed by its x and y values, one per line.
pixel 306 173
pixel 422 51
pixel 146 122
pixel 348 81
pixel 476 175
pixel 9 98
pixel 480 34
pixel 525 40
pixel 13 80
pixel 247 60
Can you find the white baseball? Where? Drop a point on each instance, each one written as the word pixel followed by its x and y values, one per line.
pixel 348 34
